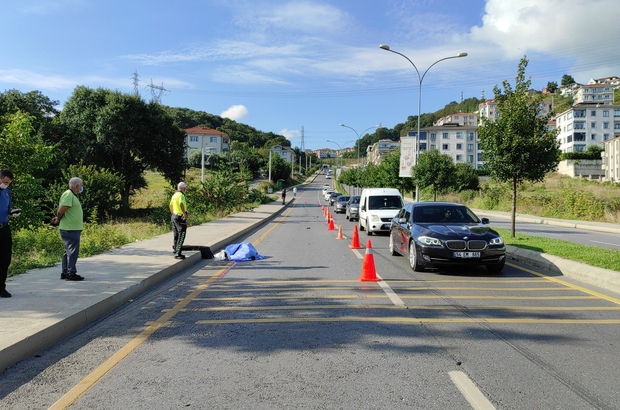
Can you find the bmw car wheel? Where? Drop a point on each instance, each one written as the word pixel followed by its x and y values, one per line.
pixel 413 257
pixel 392 250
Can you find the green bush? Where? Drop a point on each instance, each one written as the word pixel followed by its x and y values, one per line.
pixel 102 191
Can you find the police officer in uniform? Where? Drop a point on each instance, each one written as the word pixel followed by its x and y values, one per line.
pixel 178 210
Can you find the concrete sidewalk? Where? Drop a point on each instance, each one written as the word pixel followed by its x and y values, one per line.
pixel 44 309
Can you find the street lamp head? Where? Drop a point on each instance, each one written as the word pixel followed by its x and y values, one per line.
pixel 385 47
pixel 461 55
pixel 342 125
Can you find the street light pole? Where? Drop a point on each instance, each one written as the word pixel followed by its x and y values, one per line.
pixel 358 139
pixel 338 157
pixel 420 79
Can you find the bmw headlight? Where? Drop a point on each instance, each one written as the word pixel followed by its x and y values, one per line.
pixel 496 241
pixel 427 240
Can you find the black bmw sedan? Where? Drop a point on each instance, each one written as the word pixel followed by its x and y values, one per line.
pixel 440 234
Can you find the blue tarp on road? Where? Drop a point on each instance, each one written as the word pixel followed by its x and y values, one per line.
pixel 244 251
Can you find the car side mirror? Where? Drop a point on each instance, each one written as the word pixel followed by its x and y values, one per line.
pixel 485 221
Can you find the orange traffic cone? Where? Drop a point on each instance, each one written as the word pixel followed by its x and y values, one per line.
pixel 327 215
pixel 369 274
pixel 330 226
pixel 355 243
pixel 340 233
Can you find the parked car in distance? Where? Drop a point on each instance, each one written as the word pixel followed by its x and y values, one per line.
pixel 440 234
pixel 341 204
pixel 327 193
pixel 352 210
pixel 332 198
pixel 328 176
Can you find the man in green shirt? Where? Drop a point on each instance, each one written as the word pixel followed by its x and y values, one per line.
pixel 70 220
pixel 178 210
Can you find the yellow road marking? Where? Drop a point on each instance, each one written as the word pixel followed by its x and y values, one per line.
pixel 567 284
pixel 83 386
pixel 403 307
pixel 366 286
pixel 406 320
pixel 379 296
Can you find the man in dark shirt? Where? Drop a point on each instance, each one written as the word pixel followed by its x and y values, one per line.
pixel 6 239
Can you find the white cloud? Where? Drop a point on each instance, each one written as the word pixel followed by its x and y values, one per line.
pixel 578 28
pixel 235 112
pixel 289 134
pixel 297 16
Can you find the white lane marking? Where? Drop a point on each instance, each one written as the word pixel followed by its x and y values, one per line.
pixel 359 255
pixel 472 394
pixel 607 243
pixel 390 293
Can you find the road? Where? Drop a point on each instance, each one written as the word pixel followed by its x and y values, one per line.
pixel 591 238
pixel 299 330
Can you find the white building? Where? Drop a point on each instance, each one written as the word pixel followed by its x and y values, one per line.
pixel 458 118
pixel 213 141
pixel 488 109
pixel 611 159
pixel 595 93
pixel 285 153
pixel 587 124
pixel 458 141
pixel 323 153
pixel 380 149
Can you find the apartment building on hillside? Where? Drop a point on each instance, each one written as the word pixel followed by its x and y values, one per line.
pixel 488 109
pixel 595 93
pixel 458 118
pixel 380 149
pixel 587 124
pixel 458 141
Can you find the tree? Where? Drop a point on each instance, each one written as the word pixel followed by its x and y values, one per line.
pixel 567 80
pixel 122 133
pixel 518 146
pixel 465 177
pixel 552 87
pixel 24 153
pixel 434 169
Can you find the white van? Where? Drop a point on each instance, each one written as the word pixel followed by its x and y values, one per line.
pixel 377 208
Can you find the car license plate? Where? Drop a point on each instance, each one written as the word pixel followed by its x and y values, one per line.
pixel 466 254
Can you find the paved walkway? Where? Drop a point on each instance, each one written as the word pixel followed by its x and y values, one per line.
pixel 45 309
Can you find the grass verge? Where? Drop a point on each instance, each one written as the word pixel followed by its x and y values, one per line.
pixel 590 255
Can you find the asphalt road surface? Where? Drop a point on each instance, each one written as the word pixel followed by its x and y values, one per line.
pixel 299 330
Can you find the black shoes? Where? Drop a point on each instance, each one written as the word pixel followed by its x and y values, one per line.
pixel 5 294
pixel 71 276
pixel 179 256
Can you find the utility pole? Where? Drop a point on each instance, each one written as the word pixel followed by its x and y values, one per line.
pixel 156 95
pixel 135 79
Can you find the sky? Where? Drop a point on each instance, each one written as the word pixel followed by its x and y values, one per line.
pixel 280 65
